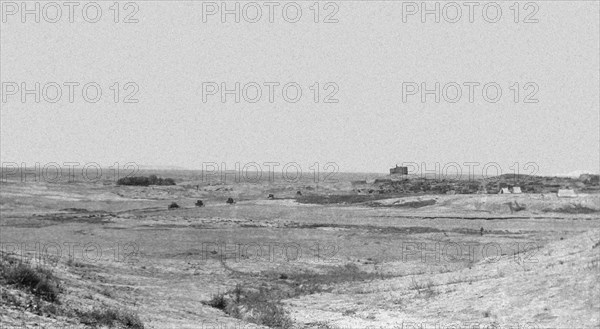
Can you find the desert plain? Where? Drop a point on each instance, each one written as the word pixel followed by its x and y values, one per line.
pixel 119 257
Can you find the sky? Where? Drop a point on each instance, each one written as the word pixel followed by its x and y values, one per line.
pixel 367 59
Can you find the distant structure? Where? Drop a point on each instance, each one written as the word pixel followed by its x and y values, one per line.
pixel 566 193
pixel 230 201
pixel 271 197
pixel 590 178
pixel 504 190
pixel 199 203
pixel 399 170
pixel 516 190
pixel 173 205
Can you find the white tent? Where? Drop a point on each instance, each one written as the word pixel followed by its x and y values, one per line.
pixel 504 190
pixel 566 193
pixel 516 190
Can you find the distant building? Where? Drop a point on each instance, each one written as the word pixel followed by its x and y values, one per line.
pixel 566 193
pixel 504 190
pixel 399 171
pixel 516 190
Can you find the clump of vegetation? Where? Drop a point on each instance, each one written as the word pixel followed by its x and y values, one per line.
pixel 262 306
pixel 426 288
pixel 574 209
pixel 111 317
pixel 217 301
pixel 37 280
pixel 145 181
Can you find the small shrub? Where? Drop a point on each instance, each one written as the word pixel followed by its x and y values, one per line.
pixel 218 301
pixel 426 288
pixel 38 280
pixel 260 307
pixel 111 317
pixel 74 263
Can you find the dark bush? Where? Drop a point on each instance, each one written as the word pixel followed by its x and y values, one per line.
pixel 153 180
pixel 111 317
pixel 261 307
pixel 134 181
pixel 38 281
pixel 145 181
pixel 218 301
pixel 574 209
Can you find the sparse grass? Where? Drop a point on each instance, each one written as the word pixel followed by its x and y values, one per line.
pixel 74 263
pixel 336 199
pixel 593 265
pixel 321 325
pixel 310 282
pixel 349 312
pixel 573 209
pixel 111 317
pixel 396 300
pixel 425 288
pixel 460 279
pixel 262 307
pixel 106 292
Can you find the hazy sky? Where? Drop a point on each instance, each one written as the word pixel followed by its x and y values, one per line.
pixel 369 53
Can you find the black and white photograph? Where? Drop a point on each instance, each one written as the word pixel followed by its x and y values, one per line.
pixel 300 164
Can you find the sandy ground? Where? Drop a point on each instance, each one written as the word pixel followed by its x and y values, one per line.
pixel 528 269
